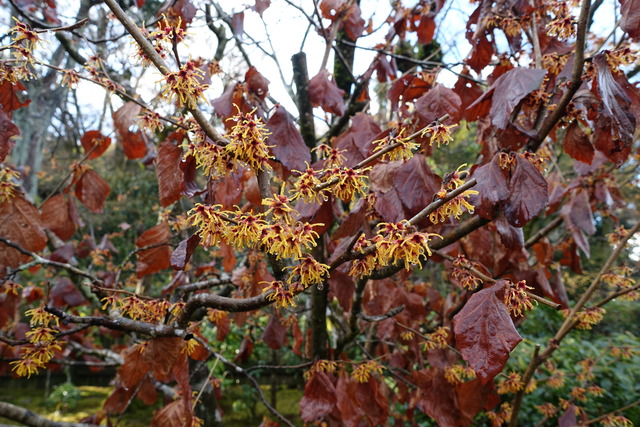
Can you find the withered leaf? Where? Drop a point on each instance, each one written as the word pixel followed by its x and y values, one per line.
pixel 20 223
pixel 92 191
pixel 326 94
pixel 158 257
pixel 274 333
pixel 319 398
pixel 529 193
pixel 8 129
pixel 484 331
pixel 577 144
pixel 56 216
pixel 95 138
pixel 286 141
pixel 170 175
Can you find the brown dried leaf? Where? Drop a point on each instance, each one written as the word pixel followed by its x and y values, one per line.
pixel 92 191
pixel 577 144
pixel 56 216
pixel 484 331
pixel 319 398
pixel 529 193
pixel 156 258
pixel 286 141
pixel 170 175
pixel 20 223
pixel 93 138
pixel 326 94
pixel 8 130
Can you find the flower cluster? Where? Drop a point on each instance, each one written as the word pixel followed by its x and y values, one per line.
pixel 333 157
pixel 564 24
pixel 245 231
pixel 396 146
pixel 517 299
pixel 457 205
pixel 309 271
pixel 307 186
pixel 589 317
pixel 212 158
pixel 150 311
pixel 25 40
pixel 511 383
pixel 400 242
pixel 42 345
pixel 438 133
pixel 211 222
pixel 349 182
pixel 617 235
pixel 8 187
pixel 150 120
pixel 462 274
pixel 437 339
pixel 621 279
pixel 279 293
pixel 458 374
pixel 185 84
pixel 247 141
pixel 328 366
pixel 168 33
pixel 501 416
pixel 554 62
pixel 363 371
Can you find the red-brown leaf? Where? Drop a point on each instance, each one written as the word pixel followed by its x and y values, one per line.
pixel 237 24
pixel 95 138
pixel 408 87
pixel 11 97
pixel 529 193
pixel 161 355
pixel 134 145
pixel 175 414
pixel 286 141
pixel 134 368
pixel 577 145
pixel 65 293
pixel 326 94
pixel 156 258
pixel 56 216
pixel 256 82
pixel 480 54
pixel 426 28
pixel 350 410
pixel 125 117
pixel 182 254
pixel 357 141
pixel 510 89
pixel 484 331
pixel 92 191
pixel 436 398
pixel 261 6
pixel 20 223
pixel 353 23
pixel 274 333
pixel 170 176
pixel 8 129
pixel 119 399
pixel 630 18
pixel 319 398
pixel 372 402
pixel 438 102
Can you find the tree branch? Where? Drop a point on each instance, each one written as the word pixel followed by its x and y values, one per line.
pixel 25 416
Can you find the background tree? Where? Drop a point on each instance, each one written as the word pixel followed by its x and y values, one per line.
pixel 384 252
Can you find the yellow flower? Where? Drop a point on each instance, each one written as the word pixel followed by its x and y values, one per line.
pixel 278 292
pixel 512 383
pixel 185 84
pixel 363 371
pixel 437 339
pixel 246 231
pixel 516 298
pixel 457 374
pixel 26 367
pixel 247 141
pixel 404 149
pixel 279 207
pixel 350 182
pixel 310 271
pixel 8 187
pixel 40 317
pixel 439 133
pixel 43 335
pixel 306 186
pixel 211 223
